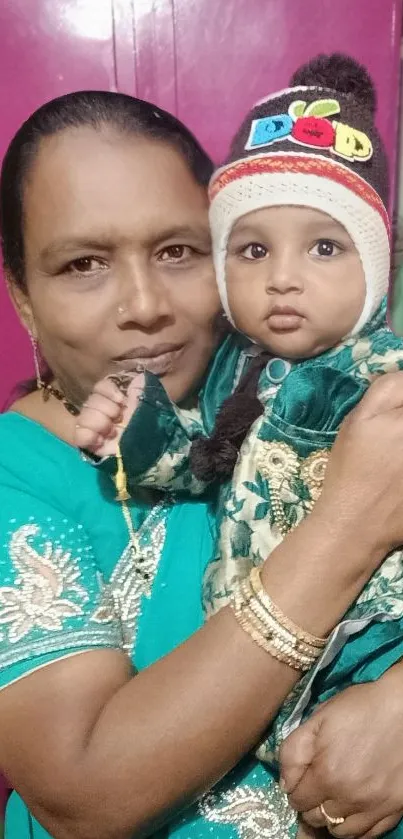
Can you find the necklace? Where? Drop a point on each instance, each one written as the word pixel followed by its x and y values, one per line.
pixel 120 480
pixel 50 390
pixel 122 381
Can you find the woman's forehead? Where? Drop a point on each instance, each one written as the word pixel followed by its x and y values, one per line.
pixel 102 181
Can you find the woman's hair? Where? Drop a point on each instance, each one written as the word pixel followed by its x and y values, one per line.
pixel 95 109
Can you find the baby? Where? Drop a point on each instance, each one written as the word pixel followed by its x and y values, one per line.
pixel 301 245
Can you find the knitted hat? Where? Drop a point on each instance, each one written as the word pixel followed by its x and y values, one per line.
pixel 315 145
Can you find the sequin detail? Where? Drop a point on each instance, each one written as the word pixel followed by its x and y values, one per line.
pixel 254 812
pixel 280 464
pixel 135 572
pixel 313 471
pixel 106 610
pixel 46 591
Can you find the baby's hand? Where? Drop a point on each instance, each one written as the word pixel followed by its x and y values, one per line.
pixel 106 413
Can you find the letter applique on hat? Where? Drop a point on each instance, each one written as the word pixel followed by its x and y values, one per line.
pixel 310 126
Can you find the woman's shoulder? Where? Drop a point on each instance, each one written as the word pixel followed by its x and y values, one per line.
pixel 45 480
pixel 14 422
pixel 27 448
pixel 53 601
pixel 39 472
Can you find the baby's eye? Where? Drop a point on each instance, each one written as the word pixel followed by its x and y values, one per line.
pixel 325 247
pixel 254 251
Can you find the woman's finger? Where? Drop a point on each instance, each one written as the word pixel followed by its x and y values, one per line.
pixel 314 818
pixel 297 753
pixel 383 826
pixel 369 824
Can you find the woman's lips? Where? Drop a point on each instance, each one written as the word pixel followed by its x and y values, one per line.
pixel 159 364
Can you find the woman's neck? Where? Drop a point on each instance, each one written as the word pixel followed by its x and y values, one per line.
pixel 50 413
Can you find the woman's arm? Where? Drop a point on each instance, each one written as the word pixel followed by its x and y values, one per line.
pixel 82 731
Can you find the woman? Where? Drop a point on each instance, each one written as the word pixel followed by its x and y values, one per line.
pixel 106 250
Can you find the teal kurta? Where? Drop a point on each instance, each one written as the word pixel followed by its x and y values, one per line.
pixel 68 584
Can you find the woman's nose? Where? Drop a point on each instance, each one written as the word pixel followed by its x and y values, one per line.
pixel 145 300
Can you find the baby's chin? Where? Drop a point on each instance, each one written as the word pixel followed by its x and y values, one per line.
pixel 294 344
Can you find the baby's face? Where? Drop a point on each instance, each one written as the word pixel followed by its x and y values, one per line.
pixel 295 281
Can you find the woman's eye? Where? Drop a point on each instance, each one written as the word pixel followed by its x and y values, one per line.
pixel 175 253
pixel 254 251
pixel 325 247
pixel 86 265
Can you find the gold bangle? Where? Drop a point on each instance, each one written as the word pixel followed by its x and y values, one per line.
pixel 269 647
pixel 270 629
pixel 280 617
pixel 272 626
pixel 276 642
pixel 270 638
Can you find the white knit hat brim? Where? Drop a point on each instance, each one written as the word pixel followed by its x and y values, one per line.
pixel 363 222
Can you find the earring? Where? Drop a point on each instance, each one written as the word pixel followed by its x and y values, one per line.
pixel 39 381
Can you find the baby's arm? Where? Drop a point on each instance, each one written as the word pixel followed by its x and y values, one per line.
pixel 106 413
pixel 154 436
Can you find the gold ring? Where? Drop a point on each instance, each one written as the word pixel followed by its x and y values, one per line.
pixel 333 821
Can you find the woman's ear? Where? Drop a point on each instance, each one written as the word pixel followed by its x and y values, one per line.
pixel 22 305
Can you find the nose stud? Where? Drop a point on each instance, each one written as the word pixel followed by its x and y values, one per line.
pixel 121 310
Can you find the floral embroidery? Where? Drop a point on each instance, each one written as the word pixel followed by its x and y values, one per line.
pixel 105 611
pixel 171 470
pixel 384 591
pixel 294 483
pixel 374 365
pixel 360 349
pixel 256 813
pixel 313 472
pixel 46 591
pixel 277 462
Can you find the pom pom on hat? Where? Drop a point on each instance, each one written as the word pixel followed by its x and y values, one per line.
pixel 339 73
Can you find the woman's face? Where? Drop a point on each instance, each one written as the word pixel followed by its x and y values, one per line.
pixel 118 264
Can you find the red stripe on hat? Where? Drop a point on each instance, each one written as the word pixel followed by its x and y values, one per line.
pixel 271 164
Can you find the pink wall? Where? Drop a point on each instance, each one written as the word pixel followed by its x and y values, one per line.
pixel 205 60
pixel 48 47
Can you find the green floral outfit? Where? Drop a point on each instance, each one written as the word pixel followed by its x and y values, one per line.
pixel 276 482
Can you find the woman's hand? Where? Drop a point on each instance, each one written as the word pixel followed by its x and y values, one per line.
pixel 363 485
pixel 349 758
